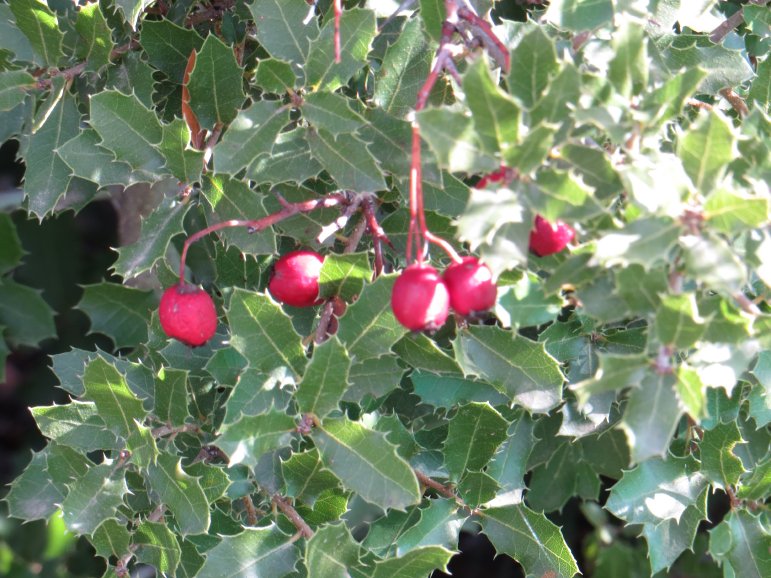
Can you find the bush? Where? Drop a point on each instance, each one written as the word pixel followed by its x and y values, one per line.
pixel 627 373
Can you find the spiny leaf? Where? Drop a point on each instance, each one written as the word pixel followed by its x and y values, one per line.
pixel 325 379
pixel 181 493
pixel 93 499
pixel 475 433
pixel 366 463
pixel 116 403
pixel 39 24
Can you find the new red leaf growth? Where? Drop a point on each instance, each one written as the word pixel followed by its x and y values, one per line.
pixel 420 300
pixel 471 286
pixel 295 279
pixel 548 238
pixel 187 313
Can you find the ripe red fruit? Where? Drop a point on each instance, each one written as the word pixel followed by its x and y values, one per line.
pixel 497 176
pixel 187 313
pixel 547 238
pixel 471 286
pixel 295 279
pixel 420 300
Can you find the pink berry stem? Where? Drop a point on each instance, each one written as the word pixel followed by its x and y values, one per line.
pixel 338 13
pixel 255 225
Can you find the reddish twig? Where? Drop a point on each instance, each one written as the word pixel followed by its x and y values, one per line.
pixel 377 233
pixel 251 511
pixel 166 430
pixel 256 225
pixel 338 8
pixel 736 101
pixel 696 103
pixel 288 510
pixel 431 483
pixel 71 73
pixel 725 27
pixel 322 329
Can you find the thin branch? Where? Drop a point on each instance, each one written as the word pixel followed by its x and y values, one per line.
pixel 431 483
pixel 256 225
pixel 696 103
pixel 747 304
pixel 74 71
pixel 736 101
pixel 725 27
pixel 288 510
pixel 251 511
pixel 322 329
pixel 338 8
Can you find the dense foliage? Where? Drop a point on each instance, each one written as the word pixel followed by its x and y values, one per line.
pixel 630 373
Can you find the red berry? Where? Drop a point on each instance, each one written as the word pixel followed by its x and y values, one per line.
pixel 420 300
pixel 187 313
pixel 494 177
pixel 295 279
pixel 471 286
pixel 547 238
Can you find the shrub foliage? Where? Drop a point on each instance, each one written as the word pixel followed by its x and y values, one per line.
pixel 630 373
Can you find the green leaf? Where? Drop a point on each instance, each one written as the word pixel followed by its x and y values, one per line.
pixel 614 372
pixel 421 352
pixel 357 30
pixel 439 525
pixel 657 490
pixel 40 26
pixel 290 160
pixel 757 486
pixel 628 70
pixel 171 396
pixel 368 328
pixel 724 67
pixel 535 62
pixel 415 564
pixel 706 149
pixel 647 242
pixel 524 304
pixel 23 311
pixel 157 546
pixel 366 463
pixel 531 539
pixel 348 161
pixel 168 46
pixel 331 112
pixel 13 88
pixel 215 83
pixel 733 213
pixel 254 552
pixel 230 198
pixel 11 250
pixel 667 101
pixel 562 476
pixel 475 433
pixel 330 552
pixel 515 365
pixel 325 379
pixel 115 403
pixel 667 540
pixel 373 377
pixel 453 138
pixel 248 439
pixel 88 160
pixel 595 167
pixel 710 259
pixel 257 393
pixel 497 224
pixel 477 488
pixel 158 229
pixel 741 542
pixel 263 333
pixel 344 275
pixel 213 479
pixel 274 76
pixel 509 466
pixel 111 538
pixel 13 40
pixel 760 90
pixel 563 91
pixel 33 495
pixel 250 136
pixel 388 139
pixel 532 151
pixel 678 322
pixel 132 10
pixel 306 477
pixel 496 115
pixel 182 161
pixel 128 129
pixel 718 461
pixel 122 313
pixel 93 499
pixel 406 63
pixel 433 14
pixel 141 444
pixel 96 36
pixel 76 424
pixel 651 416
pixel 281 29
pixel 578 15
pixel 181 493
pixel 47 177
